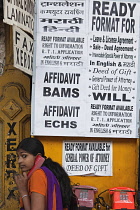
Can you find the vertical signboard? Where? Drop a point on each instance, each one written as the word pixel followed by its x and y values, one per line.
pixel 60 68
pixel 86 68
pixel 113 68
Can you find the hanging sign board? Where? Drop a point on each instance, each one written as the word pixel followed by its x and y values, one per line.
pixel 86 69
pixel 87 158
pixel 19 13
pixel 23 51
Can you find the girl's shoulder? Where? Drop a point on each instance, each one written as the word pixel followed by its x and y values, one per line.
pixel 37 174
pixel 38 182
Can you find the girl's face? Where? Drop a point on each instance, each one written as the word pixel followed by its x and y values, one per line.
pixel 25 160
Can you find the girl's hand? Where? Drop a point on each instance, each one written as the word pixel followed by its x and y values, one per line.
pixel 22 183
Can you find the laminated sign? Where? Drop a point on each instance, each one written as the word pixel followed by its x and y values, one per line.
pixel 19 13
pixel 86 78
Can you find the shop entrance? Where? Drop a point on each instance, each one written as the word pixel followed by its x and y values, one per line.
pixel 14 118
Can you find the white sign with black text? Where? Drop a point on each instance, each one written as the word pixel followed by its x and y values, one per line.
pixel 113 68
pixel 87 158
pixel 85 80
pixel 19 13
pixel 23 50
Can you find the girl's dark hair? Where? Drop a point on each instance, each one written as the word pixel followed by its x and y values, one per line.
pixel 34 146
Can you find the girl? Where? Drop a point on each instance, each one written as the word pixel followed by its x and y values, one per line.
pixel 48 188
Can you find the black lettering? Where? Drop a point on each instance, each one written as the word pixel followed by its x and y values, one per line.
pixel 75 92
pixel 131 9
pixel 25 44
pixel 123 9
pixel 56 124
pixel 9 172
pixel 31 47
pixel 99 95
pixel 73 124
pixel 9 148
pixel 46 91
pixel 11 159
pixel 17 36
pixel 48 123
pixel 17 53
pixel 96 6
pixel 114 9
pixel 105 6
pixel 11 128
pixel 124 98
pixel 56 92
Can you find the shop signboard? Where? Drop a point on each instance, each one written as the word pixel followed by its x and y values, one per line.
pixel 23 50
pixel 20 13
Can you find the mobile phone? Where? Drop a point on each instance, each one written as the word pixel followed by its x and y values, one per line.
pixel 38 163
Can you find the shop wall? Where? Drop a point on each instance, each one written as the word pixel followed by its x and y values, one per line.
pixel 125 163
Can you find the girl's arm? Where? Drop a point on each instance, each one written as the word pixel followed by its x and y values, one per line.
pixel 36 201
pixel 26 202
pixel 22 185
